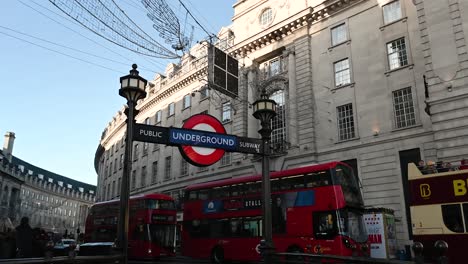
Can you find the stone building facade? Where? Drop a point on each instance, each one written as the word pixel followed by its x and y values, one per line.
pixel 52 202
pixel 376 83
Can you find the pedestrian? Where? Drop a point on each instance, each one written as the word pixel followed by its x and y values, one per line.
pixel 24 239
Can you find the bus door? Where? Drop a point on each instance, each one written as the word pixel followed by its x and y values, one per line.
pixel 139 244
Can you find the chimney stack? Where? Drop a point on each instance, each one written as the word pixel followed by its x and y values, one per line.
pixel 8 145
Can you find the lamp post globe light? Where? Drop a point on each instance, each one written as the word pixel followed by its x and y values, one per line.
pixel 264 109
pixel 132 88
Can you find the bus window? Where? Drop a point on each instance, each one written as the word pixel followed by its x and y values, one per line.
pixel 252 227
pixel 160 204
pixel 191 195
pixel 220 192
pixel 465 213
pixel 252 187
pixel 325 226
pixel 344 176
pixel 317 179
pixel 452 216
pixel 293 182
pixel 275 185
pixel 237 189
pixel 203 194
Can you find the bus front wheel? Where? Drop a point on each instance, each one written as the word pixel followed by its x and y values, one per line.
pixel 217 255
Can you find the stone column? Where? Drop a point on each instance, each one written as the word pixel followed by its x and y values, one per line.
pixel 252 123
pixel 292 97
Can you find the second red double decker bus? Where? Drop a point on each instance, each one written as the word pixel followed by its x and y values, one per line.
pixel 315 209
pixel 152 225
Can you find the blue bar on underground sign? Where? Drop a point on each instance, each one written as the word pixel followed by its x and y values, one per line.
pixel 202 139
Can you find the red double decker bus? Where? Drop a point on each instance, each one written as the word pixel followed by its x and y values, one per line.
pixel 152 225
pixel 315 209
pixel 439 210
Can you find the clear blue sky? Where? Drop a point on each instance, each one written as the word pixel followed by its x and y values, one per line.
pixel 58 99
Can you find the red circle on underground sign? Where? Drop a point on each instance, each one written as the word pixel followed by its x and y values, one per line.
pixel 199 156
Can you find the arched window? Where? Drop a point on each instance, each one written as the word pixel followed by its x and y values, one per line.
pixel 278 124
pixel 266 17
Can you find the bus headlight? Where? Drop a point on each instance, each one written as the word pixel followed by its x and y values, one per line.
pixel 348 243
pixel 150 251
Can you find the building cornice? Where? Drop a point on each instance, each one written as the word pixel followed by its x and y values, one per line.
pixel 174 87
pixel 287 26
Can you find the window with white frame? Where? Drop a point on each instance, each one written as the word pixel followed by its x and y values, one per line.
pixel 187 99
pixel 266 17
pixel 158 117
pixel 226 115
pixel 391 12
pixel 168 168
pixel 204 93
pixel 404 108
pixel 143 176
pixel 397 56
pixel 278 123
pixel 272 67
pixel 345 122
pixel 184 167
pixel 342 72
pixel 170 109
pixel 226 159
pixel 121 161
pixel 339 34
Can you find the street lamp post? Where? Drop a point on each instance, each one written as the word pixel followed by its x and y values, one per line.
pixel 264 109
pixel 132 88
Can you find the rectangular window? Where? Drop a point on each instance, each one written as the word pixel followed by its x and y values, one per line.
pixel 167 168
pixel 135 152
pixel 278 123
pixel 170 109
pixel 187 99
pixel 339 34
pixel 158 117
pixel 115 165
pixel 226 115
pixel 226 159
pixel 121 161
pixel 204 93
pixel 133 185
pixel 342 73
pixel 119 184
pixel 397 56
pixel 392 12
pixel 404 108
pixel 143 176
pixel 184 168
pixel 154 175
pixel 113 188
pixel 345 122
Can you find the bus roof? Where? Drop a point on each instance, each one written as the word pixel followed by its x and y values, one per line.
pixel 257 177
pixel 139 197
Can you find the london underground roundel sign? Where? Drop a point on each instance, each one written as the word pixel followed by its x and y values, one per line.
pixel 202 156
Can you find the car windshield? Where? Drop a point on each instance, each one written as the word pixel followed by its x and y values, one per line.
pixel 351 224
pixel 67 242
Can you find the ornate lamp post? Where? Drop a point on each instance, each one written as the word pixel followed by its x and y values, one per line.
pixel 264 109
pixel 132 88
